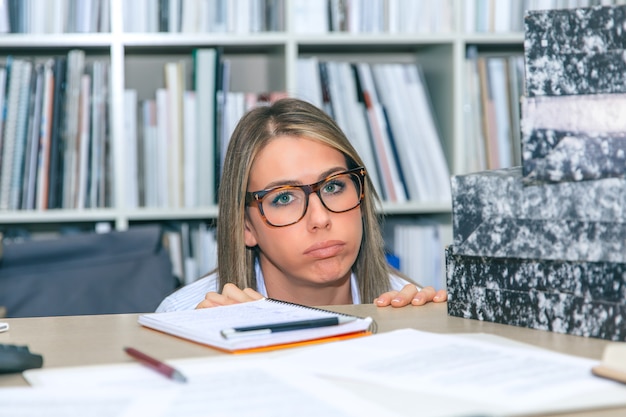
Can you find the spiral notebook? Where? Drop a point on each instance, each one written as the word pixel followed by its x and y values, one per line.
pixel 208 326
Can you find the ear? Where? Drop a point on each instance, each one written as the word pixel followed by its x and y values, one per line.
pixel 249 233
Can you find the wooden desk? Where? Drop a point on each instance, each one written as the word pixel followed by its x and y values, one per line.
pixel 83 340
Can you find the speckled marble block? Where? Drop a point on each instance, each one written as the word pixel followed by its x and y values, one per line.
pixel 554 156
pixel 575 51
pixel 495 214
pixel 579 298
pixel 573 138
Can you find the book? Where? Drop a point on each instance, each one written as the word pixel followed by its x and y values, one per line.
pixel 413 162
pixel 84 141
pixel 395 190
pixel 515 78
pixel 56 163
pixel 4 17
pixel 613 364
pixel 70 132
pixel 205 69
pixel 32 139
pixel 190 149
pixel 472 152
pixel 360 124
pixel 20 135
pixel 98 188
pixel 346 95
pixel 150 154
pixel 162 120
pixel 309 81
pixel 496 71
pixel 488 115
pixel 44 137
pixel 222 126
pixel 205 325
pixel 417 244
pixel 9 144
pixel 131 149
pixel 4 74
pixel 429 137
pixel 310 16
pixel 175 87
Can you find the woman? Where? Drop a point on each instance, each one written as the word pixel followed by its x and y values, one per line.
pixel 297 220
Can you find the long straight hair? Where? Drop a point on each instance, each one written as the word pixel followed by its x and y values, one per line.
pixel 289 117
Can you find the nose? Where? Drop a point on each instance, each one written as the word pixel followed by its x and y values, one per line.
pixel 317 216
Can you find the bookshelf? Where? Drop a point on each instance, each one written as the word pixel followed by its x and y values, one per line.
pixel 262 62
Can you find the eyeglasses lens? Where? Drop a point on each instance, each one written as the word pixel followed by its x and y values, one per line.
pixel 287 205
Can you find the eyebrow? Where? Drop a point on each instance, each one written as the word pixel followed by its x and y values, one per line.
pixel 323 175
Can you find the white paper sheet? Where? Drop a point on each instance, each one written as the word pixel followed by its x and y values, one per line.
pixel 499 378
pixel 401 373
pixel 61 402
pixel 239 386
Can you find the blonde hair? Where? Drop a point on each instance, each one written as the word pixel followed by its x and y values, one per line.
pixel 292 117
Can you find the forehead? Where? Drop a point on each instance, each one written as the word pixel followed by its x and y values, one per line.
pixel 293 159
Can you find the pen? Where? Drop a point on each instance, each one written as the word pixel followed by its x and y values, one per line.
pixel 157 365
pixel 263 329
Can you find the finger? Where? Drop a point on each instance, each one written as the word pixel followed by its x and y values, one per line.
pixel 441 296
pixel 254 295
pixel 213 299
pixel 424 296
pixel 236 294
pixel 384 299
pixel 405 296
pixel 231 294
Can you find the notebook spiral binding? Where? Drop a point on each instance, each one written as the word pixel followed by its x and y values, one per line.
pixel 373 327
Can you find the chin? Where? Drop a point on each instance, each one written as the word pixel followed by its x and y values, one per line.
pixel 330 275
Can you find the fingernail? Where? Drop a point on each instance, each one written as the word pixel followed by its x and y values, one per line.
pixel 396 300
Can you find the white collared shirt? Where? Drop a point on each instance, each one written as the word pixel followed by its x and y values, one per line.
pixel 189 296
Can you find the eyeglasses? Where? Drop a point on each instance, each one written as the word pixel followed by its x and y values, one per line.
pixel 287 204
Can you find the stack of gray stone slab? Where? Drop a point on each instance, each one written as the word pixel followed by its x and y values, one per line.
pixel 574 111
pixel 544 245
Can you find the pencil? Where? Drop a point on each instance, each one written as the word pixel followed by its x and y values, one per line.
pixel 155 364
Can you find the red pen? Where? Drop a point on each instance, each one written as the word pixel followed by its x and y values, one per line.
pixel 157 365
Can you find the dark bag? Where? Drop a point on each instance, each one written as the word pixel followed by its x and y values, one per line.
pixel 116 272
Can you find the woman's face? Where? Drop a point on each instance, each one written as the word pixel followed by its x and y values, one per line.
pixel 320 249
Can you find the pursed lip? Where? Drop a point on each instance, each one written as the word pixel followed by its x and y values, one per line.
pixel 325 249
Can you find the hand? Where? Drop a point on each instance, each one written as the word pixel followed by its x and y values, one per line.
pixel 231 294
pixel 411 295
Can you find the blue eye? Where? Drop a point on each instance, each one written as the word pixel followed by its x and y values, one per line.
pixel 333 187
pixel 282 198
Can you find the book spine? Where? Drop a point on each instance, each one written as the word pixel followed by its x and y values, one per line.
pixel 20 136
pixel 10 131
pixel 205 62
pixel 75 69
pixel 32 140
pixel 55 174
pixel 44 137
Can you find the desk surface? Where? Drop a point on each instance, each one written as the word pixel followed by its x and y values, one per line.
pixel 83 340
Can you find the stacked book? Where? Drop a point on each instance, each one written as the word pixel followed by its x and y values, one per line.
pixel 543 245
pixel 54 139
pixel 386 111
